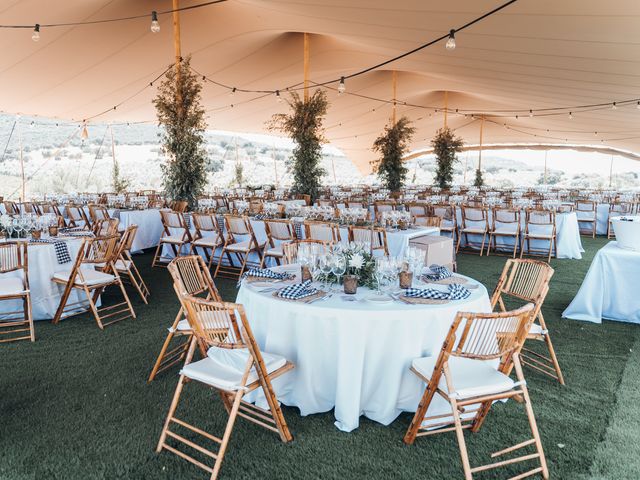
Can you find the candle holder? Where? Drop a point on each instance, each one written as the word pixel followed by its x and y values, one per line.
pixel 53 231
pixel 350 283
pixel 406 279
pixel 36 234
pixel 305 273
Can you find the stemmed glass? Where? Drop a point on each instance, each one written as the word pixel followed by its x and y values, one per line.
pixel 325 264
pixel 382 265
pixel 338 267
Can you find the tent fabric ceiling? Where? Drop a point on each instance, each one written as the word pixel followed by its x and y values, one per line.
pixel 531 55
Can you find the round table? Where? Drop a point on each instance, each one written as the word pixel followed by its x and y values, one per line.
pixel 353 356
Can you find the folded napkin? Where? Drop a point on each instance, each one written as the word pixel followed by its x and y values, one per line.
pixel 78 234
pixel 72 229
pixel 455 292
pixel 439 273
pixel 267 273
pixel 61 248
pixel 297 291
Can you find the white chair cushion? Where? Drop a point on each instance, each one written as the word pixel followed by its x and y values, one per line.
pixel 275 251
pixel 505 231
pixel 474 230
pixel 471 378
pixel 174 239
pixel 223 367
pixel 91 277
pixel 207 242
pixel 536 329
pixel 183 326
pixel 123 265
pixel 240 246
pixel 11 286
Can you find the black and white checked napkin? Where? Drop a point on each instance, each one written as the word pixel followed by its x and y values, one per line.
pixel 267 273
pixel 297 291
pixel 438 273
pixel 455 292
pixel 220 222
pixel 297 227
pixel 61 248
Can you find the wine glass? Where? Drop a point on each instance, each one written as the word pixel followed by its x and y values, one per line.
pixel 339 267
pixel 382 265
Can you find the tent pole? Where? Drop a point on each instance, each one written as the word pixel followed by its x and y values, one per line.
pixel 394 91
pixel 446 107
pixel 466 166
pixel 275 164
pixel 480 146
pixel 177 49
pixel 545 166
pixel 306 66
pixel 611 172
pixel 21 164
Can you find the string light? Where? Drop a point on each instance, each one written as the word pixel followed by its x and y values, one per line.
pixel 638 106
pixel 570 116
pixel 451 41
pixel 614 106
pixel 85 132
pixel 530 113
pixel 36 33
pixel 341 86
pixel 278 97
pixel 232 92
pixel 155 25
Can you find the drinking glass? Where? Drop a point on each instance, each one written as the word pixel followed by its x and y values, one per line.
pixel 338 267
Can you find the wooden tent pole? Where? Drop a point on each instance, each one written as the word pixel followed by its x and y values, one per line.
pixel 22 165
pixel 545 166
pixel 394 91
pixel 306 66
pixel 446 107
pixel 611 172
pixel 466 165
pixel 177 49
pixel 275 164
pixel 480 149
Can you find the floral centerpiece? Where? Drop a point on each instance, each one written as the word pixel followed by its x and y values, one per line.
pixel 359 262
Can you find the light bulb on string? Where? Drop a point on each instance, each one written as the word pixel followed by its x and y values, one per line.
pixel 35 36
pixel 451 41
pixel 278 97
pixel 638 106
pixel 155 25
pixel 614 106
pixel 85 132
pixel 32 124
pixel 531 113
pixel 341 86
pixel 232 92
pixel 570 116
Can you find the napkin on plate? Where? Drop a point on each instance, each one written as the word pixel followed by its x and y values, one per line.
pixel 438 273
pixel 267 273
pixel 297 291
pixel 455 292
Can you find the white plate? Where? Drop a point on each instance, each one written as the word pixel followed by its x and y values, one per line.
pixel 379 299
pixel 264 284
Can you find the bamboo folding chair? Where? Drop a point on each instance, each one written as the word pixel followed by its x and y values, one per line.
pixel 528 281
pixel 475 221
pixel 105 227
pixel 586 210
pixel 505 224
pixel 429 221
pixel 191 276
pixel 380 207
pixel 125 265
pixel 76 217
pixel 540 225
pixel 279 232
pixel 417 210
pixel 462 375
pixel 355 203
pixel 95 252
pixel 179 206
pixel 290 250
pixel 11 208
pixel 207 236
pixel 14 285
pixel 376 237
pixel 238 228
pixel 619 209
pixel 324 231
pixel 234 366
pixel 98 212
pixel 449 222
pixel 51 208
pixel 175 234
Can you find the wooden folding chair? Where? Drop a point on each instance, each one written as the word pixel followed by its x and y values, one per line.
pixel 417 210
pixel 587 212
pixel 125 265
pixel 191 276
pixel 324 231
pixel 76 217
pixel 179 206
pixel 619 209
pixel 374 236
pixel 429 221
pixel 11 208
pixel 475 221
pixel 449 222
pixel 238 229
pixel 381 207
pixel 207 236
pixel 14 285
pixel 105 227
pixel 505 224
pixel 175 234
pixel 279 232
pixel 234 366
pixel 463 376
pixel 528 281
pixel 539 225
pixel 290 250
pixel 98 212
pixel 94 252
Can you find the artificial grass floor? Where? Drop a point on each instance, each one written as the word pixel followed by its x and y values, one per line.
pixel 76 404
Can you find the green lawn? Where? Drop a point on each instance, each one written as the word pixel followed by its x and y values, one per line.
pixel 76 405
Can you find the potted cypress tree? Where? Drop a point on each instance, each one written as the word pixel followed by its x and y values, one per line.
pixel 445 147
pixel 392 145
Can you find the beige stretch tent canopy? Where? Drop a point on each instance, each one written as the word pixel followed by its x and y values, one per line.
pixel 534 54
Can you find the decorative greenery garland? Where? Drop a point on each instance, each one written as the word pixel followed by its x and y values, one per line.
pixel 392 145
pixel 445 146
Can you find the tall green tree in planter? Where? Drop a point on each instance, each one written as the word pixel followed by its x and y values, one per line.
pixel 445 147
pixel 479 180
pixel 392 145
pixel 304 126
pixel 182 118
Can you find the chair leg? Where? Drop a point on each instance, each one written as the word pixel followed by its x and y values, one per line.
pixel 63 302
pixel 124 293
pixel 233 414
pixel 425 401
pixel 92 305
pixel 159 361
pixel 466 466
pixel 138 283
pixel 28 314
pixel 156 256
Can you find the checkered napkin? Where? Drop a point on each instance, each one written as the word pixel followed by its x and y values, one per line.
pixel 439 273
pixel 456 292
pixel 267 273
pixel 297 227
pixel 62 251
pixel 220 221
pixel 187 220
pixel 116 214
pixel 82 233
pixel 297 291
pixel 68 230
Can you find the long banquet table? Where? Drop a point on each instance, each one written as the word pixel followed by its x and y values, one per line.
pixel 352 356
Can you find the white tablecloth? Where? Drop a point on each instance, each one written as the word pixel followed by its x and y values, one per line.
pixel 149 225
pixel 610 289
pixel 45 295
pixel 567 234
pixel 352 356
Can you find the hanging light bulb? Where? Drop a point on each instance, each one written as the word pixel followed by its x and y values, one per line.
pixel 233 91
pixel 531 113
pixel 85 132
pixel 614 106
pixel 570 116
pixel 638 106
pixel 341 86
pixel 32 124
pixel 278 97
pixel 451 41
pixel 155 25
pixel 36 33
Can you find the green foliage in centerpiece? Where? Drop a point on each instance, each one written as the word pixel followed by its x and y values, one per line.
pixel 182 118
pixel 445 146
pixel 360 262
pixel 392 145
pixel 304 126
